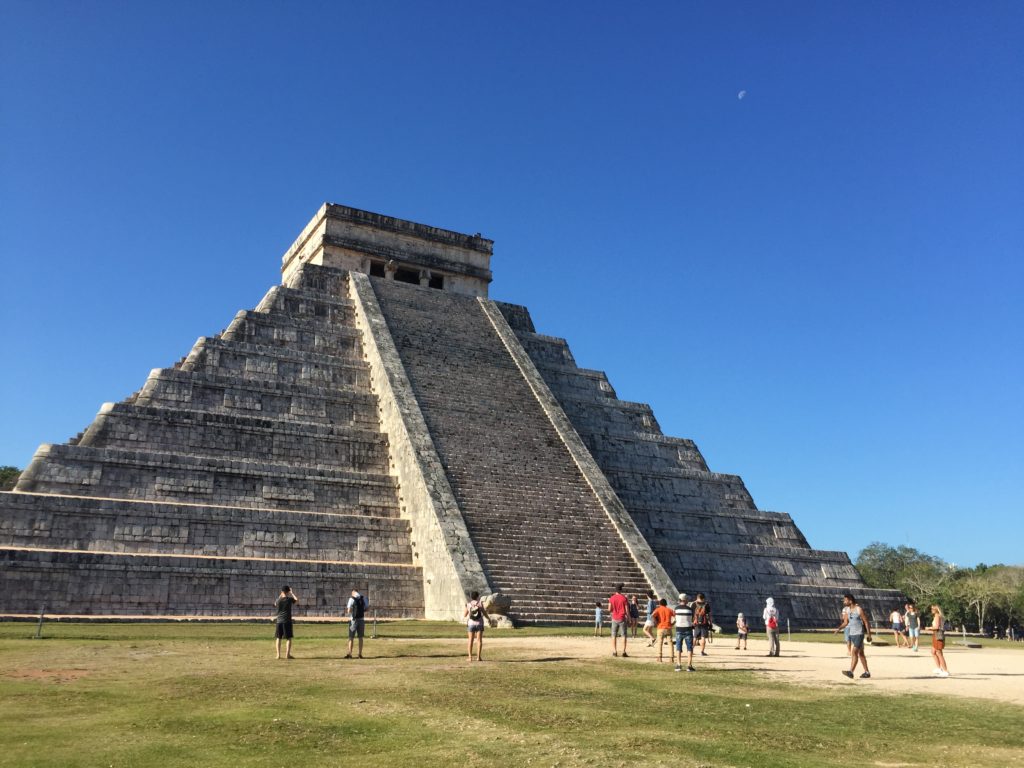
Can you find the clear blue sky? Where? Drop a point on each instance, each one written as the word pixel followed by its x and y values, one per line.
pixel 820 282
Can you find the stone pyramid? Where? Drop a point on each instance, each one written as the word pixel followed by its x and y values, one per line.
pixel 376 422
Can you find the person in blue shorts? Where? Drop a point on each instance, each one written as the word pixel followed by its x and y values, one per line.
pixel 684 633
pixel 856 619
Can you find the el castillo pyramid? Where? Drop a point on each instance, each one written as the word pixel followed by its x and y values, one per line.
pixel 377 422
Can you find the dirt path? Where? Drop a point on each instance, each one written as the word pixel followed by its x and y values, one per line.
pixel 985 673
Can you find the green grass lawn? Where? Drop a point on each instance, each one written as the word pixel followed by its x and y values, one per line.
pixel 212 695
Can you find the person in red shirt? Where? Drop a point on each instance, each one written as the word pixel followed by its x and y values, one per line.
pixel 618 607
pixel 663 617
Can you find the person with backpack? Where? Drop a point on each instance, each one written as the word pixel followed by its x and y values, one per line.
pixel 771 625
pixel 702 622
pixel 475 616
pixel 356 610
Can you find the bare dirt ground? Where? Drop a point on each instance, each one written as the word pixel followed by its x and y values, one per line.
pixel 996 674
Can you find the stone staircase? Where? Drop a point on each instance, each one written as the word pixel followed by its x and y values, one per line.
pixel 255 461
pixel 703 526
pixel 540 532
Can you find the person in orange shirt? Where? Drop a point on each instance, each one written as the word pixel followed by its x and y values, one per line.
pixel 663 617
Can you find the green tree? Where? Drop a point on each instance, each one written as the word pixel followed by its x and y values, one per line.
pixel 9 478
pixel 919 576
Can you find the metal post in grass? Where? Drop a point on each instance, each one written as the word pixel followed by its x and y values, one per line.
pixel 39 626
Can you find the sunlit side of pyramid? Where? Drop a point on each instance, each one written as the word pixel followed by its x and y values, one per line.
pixel 376 422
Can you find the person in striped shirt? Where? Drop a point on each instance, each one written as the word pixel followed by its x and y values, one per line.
pixel 684 633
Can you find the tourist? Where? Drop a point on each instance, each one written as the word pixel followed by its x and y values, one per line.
pixel 912 621
pixel 598 619
pixel 939 641
pixel 771 626
pixel 283 621
pixel 475 616
pixel 684 633
pixel 649 620
pixel 618 607
pixel 356 611
pixel 896 620
pixel 856 619
pixel 742 630
pixel 634 613
pixel 663 616
pixel 702 622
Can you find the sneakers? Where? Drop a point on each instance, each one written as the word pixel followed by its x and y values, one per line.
pixel 690 669
pixel 625 655
pixel 702 653
pixel 848 673
pixel 679 668
pixel 866 675
pixel 942 673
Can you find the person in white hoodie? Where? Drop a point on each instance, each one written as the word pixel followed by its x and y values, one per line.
pixel 771 624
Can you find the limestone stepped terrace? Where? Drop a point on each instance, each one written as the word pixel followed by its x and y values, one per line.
pixel 377 422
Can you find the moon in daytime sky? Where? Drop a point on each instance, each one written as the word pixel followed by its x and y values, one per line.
pixel 740 95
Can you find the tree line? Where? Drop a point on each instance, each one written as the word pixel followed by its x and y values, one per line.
pixel 983 598
pixel 9 478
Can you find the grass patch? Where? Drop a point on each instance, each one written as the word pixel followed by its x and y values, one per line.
pixel 209 694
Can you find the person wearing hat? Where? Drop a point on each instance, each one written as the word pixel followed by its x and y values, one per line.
pixel 684 632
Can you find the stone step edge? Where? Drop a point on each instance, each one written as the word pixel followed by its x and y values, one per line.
pixel 304 324
pixel 302 293
pixel 266 386
pixel 255 510
pixel 242 421
pixel 278 352
pixel 178 556
pixel 271 470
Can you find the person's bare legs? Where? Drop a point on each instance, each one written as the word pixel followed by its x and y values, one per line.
pixel 470 645
pixel 277 646
pixel 479 646
pixel 858 655
pixel 288 648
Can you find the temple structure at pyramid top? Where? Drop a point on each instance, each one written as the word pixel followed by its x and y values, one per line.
pixel 360 241
pixel 376 422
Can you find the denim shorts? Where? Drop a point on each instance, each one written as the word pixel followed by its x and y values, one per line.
pixel 684 636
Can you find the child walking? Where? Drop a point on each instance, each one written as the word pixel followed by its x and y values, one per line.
pixel 598 619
